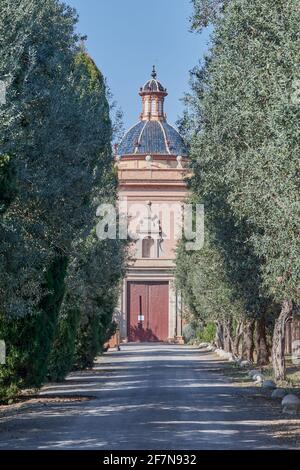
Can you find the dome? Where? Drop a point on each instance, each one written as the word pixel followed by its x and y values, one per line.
pixel 154 138
pixel 153 85
pixel 152 135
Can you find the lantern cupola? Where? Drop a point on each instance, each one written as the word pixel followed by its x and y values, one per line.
pixel 153 95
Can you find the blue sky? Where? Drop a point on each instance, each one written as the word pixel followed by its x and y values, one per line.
pixel 126 37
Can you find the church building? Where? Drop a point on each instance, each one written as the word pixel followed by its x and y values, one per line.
pixel 152 165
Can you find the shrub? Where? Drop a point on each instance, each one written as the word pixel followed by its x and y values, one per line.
pixel 208 333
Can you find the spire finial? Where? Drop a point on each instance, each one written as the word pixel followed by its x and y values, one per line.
pixel 154 74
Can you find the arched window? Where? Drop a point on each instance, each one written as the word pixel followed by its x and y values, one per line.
pixel 153 108
pixel 147 106
pixel 147 246
pixel 160 108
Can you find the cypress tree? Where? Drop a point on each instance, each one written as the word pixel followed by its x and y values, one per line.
pixel 56 129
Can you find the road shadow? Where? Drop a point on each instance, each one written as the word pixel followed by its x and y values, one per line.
pixel 164 397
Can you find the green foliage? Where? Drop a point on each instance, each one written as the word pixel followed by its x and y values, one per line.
pixel 188 333
pixel 244 136
pixel 246 155
pixel 92 332
pixel 91 293
pixel 61 360
pixel 100 278
pixel 37 58
pixel 29 339
pixel 56 126
pixel 203 280
pixel 86 314
pixel 206 12
pixel 208 333
pixel 7 182
pixel 47 320
pixel 111 330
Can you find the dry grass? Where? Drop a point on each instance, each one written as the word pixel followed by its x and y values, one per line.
pixel 25 402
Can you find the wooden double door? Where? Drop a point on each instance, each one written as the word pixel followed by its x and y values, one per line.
pixel 148 311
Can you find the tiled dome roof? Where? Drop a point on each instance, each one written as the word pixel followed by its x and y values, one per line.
pixel 152 138
pixel 153 85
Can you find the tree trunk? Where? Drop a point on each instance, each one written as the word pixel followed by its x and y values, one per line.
pixel 227 336
pixel 279 340
pixel 248 349
pixel 262 347
pixel 238 338
pixel 288 338
pixel 296 340
pixel 295 327
pixel 219 338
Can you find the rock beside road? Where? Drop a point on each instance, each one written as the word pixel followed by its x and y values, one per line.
pixel 245 364
pixel 279 393
pixel 268 384
pixel 291 404
pixel 252 373
pixel 258 378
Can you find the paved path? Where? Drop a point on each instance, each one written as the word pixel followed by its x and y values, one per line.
pixel 146 397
